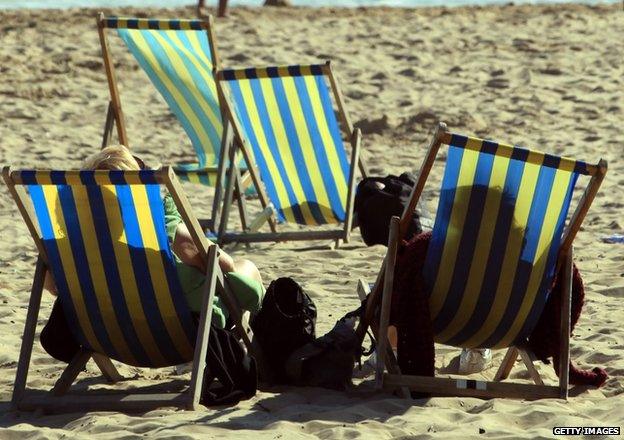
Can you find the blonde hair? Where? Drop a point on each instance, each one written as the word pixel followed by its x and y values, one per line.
pixel 113 157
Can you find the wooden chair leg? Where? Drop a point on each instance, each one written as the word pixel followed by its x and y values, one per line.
pixel 203 331
pixel 528 362
pixel 564 345
pixel 107 368
pixel 29 334
pixel 363 289
pixel 72 371
pixel 508 362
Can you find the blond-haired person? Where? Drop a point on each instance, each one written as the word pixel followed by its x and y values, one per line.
pixel 242 274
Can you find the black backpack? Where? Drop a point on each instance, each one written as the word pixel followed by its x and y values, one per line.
pixel 375 206
pixel 230 374
pixel 285 322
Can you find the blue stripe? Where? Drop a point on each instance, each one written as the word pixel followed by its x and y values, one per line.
pixel 332 123
pixel 337 204
pixel 74 236
pixel 113 280
pixel 200 85
pixel 167 65
pixel 175 288
pixel 468 241
pixel 545 285
pixel 443 216
pixel 117 177
pixel 535 222
pixel 29 177
pixel 143 278
pixel 498 247
pixel 58 177
pixel 173 105
pixel 55 262
pixel 243 117
pixel 296 150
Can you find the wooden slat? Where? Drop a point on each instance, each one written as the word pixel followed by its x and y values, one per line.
pixel 564 335
pixel 282 236
pixel 71 372
pixel 102 402
pixel 28 338
pixel 356 139
pixel 528 363
pixel 448 387
pixel 382 342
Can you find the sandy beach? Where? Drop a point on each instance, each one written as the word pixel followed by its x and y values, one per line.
pixel 546 77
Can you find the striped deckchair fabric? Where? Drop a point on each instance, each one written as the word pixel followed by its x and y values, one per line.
pixel 104 236
pixel 287 116
pixel 495 241
pixel 177 57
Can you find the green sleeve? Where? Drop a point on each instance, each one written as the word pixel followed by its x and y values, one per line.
pixel 172 217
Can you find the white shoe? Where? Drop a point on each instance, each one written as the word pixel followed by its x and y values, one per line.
pixel 183 368
pixel 372 359
pixel 474 360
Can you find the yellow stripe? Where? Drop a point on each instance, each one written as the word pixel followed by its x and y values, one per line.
pixel 57 219
pixel 453 232
pixel 482 250
pixel 555 205
pixel 331 149
pixel 283 144
pixel 126 274
pixel 204 70
pixel 100 284
pixel 185 76
pixel 184 106
pixel 512 254
pixel 122 23
pixel 256 125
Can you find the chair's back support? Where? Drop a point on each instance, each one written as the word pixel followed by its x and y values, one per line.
pixel 104 238
pixel 496 240
pixel 178 57
pixel 287 116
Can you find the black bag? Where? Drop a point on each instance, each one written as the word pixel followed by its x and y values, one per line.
pixel 378 199
pixel 235 371
pixel 327 361
pixel 285 322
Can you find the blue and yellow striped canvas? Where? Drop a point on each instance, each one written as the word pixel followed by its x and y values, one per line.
pixel 287 116
pixel 176 56
pixel 495 241
pixel 105 239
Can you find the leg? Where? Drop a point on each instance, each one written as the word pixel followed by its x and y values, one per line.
pixel 203 331
pixel 29 333
pixel 508 362
pixel 564 335
pixel 107 368
pixel 222 8
pixel 56 337
pixel 71 372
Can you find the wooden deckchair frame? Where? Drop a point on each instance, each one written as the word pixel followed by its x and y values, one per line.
pixel 56 399
pixel 115 117
pixel 463 387
pixel 355 139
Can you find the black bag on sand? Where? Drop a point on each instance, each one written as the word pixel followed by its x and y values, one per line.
pixel 235 371
pixel 285 322
pixel 378 199
pixel 327 361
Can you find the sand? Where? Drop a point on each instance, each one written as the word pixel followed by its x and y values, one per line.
pixel 550 77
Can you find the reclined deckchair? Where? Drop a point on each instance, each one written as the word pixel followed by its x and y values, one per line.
pixel 498 240
pixel 102 236
pixel 178 57
pixel 284 122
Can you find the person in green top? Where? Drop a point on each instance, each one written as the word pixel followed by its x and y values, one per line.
pixel 242 275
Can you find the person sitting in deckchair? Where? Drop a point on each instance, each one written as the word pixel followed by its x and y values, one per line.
pixel 242 274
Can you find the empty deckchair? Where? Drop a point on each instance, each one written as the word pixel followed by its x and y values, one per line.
pixel 102 236
pixel 178 57
pixel 283 120
pixel 498 239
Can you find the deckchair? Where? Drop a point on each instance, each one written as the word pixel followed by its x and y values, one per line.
pixel 178 57
pixel 284 122
pixel 498 239
pixel 102 236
